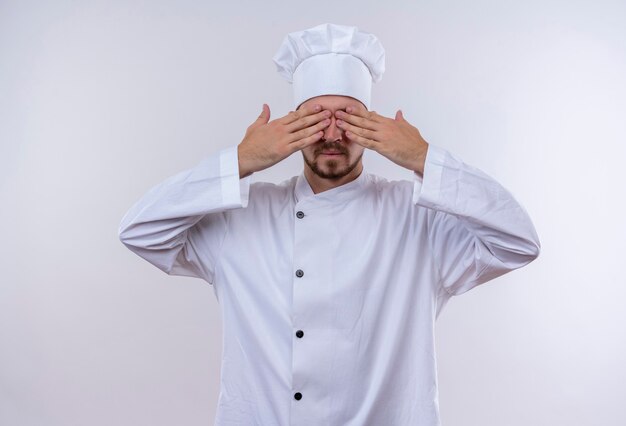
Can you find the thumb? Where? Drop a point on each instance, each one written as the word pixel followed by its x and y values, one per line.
pixel 399 115
pixel 264 117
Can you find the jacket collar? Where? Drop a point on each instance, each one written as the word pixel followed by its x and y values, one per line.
pixel 303 191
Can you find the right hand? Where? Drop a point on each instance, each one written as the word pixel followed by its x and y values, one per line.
pixel 266 143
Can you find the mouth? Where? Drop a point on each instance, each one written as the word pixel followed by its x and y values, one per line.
pixel 330 153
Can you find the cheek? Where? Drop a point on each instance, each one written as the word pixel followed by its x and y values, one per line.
pixel 356 149
pixel 308 151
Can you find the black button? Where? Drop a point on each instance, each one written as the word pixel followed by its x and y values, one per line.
pixel 300 215
pixel 299 273
pixel 299 333
pixel 298 396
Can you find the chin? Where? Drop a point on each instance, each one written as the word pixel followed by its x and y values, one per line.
pixel 331 168
pixel 334 171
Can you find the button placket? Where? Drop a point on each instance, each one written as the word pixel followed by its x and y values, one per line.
pixel 309 224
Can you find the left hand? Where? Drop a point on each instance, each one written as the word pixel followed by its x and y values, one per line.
pixel 395 139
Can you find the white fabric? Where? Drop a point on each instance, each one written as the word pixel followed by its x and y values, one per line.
pixel 332 74
pixel 331 59
pixel 380 260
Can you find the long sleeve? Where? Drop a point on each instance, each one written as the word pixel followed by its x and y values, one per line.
pixel 179 224
pixel 478 231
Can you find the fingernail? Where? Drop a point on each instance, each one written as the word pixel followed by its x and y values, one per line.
pixel 349 109
pixel 317 107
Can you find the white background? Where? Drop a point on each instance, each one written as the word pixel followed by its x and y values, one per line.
pixel 101 100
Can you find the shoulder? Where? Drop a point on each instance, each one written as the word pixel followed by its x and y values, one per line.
pixel 273 190
pixel 392 202
pixel 387 190
pixel 268 195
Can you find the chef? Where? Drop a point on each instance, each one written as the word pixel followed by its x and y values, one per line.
pixel 330 282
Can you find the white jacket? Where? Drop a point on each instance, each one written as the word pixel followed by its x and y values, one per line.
pixel 329 300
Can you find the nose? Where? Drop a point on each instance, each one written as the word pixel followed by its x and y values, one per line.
pixel 332 132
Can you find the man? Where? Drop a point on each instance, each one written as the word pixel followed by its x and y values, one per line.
pixel 330 282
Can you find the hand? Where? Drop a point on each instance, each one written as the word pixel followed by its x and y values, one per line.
pixel 266 143
pixel 395 139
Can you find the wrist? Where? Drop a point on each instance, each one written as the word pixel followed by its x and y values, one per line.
pixel 244 170
pixel 420 162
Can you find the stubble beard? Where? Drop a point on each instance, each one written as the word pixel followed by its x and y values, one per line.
pixel 333 166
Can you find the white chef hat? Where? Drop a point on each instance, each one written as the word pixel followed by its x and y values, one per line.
pixel 331 59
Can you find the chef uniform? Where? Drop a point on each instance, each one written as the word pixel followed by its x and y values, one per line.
pixel 329 300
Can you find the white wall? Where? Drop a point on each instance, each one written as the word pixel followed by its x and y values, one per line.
pixel 101 100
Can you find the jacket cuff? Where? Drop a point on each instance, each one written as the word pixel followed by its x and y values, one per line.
pixel 427 188
pixel 234 190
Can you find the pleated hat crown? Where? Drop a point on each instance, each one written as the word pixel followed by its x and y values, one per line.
pixel 331 59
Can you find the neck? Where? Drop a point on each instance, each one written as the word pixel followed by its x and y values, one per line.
pixel 319 184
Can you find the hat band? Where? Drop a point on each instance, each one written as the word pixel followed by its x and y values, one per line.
pixel 332 74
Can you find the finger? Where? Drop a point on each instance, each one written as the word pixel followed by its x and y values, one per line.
pixel 302 112
pixel 367 143
pixel 303 143
pixel 308 131
pixel 361 111
pixel 358 120
pixel 366 133
pixel 307 121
